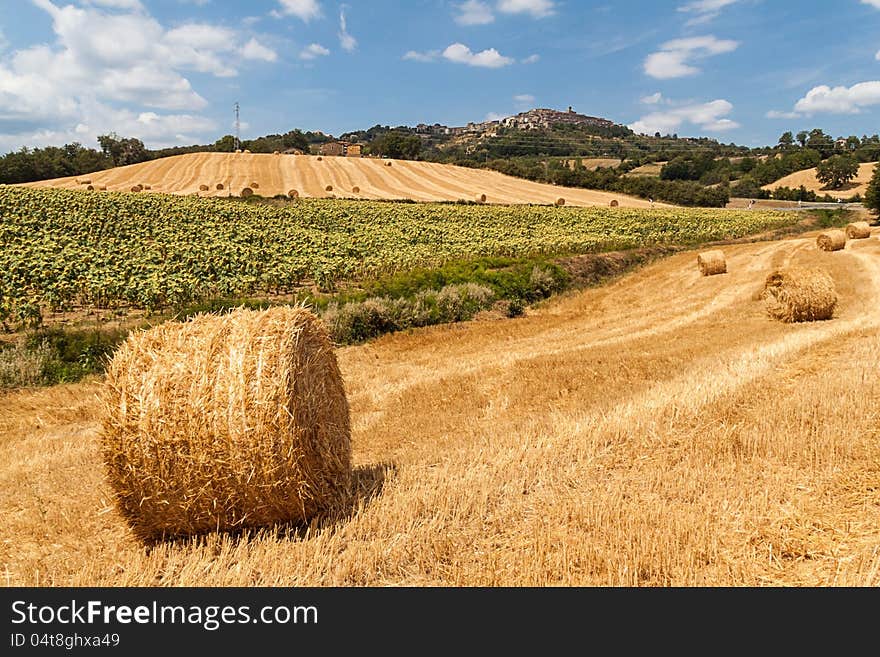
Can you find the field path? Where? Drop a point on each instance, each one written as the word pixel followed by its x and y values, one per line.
pixel 660 430
pixel 278 174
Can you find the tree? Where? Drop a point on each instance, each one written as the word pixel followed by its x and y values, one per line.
pixel 226 144
pixel 802 137
pixel 123 151
pixel 786 141
pixel 397 145
pixel 836 171
pixel 872 196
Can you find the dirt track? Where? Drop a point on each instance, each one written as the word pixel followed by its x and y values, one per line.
pixel 309 176
pixel 661 430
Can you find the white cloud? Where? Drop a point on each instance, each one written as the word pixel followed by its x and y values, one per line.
pixel 532 59
pixel 305 10
pixel 461 54
pixel 313 51
pixel 839 100
pixel 536 8
pixel 346 41
pixel 524 98
pixel 711 117
pixel 653 99
pixel 474 12
pixel 873 3
pixel 705 10
pixel 112 66
pixel 424 57
pixel 674 59
pixel 253 49
pixel 774 114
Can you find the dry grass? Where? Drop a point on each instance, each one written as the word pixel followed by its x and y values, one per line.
pixel 808 179
pixel 658 431
pixel 310 175
pixel 712 263
pixel 226 422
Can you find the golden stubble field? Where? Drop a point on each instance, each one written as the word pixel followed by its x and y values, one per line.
pixel 807 178
pixel 310 177
pixel 657 431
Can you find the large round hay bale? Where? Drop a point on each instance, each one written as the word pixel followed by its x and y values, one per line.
pixel 238 150
pixel 293 193
pixel 220 187
pixel 276 152
pixel 91 188
pixel 203 188
pixel 560 202
pixel 225 422
pixel 320 158
pixel 831 240
pixel 84 181
pixel 356 190
pixel 388 164
pixel 255 185
pixel 137 188
pixel 615 204
pixel 799 294
pixel 328 188
pixel 481 198
pixel 712 263
pixel 860 230
pixel 247 192
pixel 147 187
pixel 246 150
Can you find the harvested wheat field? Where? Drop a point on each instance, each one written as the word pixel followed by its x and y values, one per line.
pixel 661 430
pixel 807 178
pixel 318 177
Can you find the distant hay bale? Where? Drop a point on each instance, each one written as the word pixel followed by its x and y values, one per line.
pixel 320 158
pixel 226 422
pixel 860 230
pixel 712 263
pixel 102 188
pixel 85 181
pixel 831 240
pixel 388 164
pixel 356 190
pixel 246 150
pixel 91 188
pixel 481 198
pixel 238 150
pixel 255 185
pixel 137 188
pixel 799 294
pixel 220 187
pixel 247 192
pixel 293 193
pixel 615 204
pixel 328 188
pixel 147 187
pixel 203 188
pixel 276 153
pixel 560 202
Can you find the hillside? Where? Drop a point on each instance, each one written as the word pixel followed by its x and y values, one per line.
pixel 658 431
pixel 808 179
pixel 310 177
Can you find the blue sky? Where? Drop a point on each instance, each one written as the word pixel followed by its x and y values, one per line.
pixel 169 71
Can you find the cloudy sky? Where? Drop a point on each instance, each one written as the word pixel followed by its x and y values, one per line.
pixel 169 71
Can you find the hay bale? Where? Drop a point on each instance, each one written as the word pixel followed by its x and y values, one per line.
pixel 712 263
pixel 860 230
pixel 225 422
pixel 147 187
pixel 293 193
pixel 615 204
pixel 800 294
pixel 137 188
pixel 276 153
pixel 247 192
pixel 91 188
pixel 356 190
pixel 388 164
pixel 831 240
pixel 203 188
pixel 220 187
pixel 85 181
pixel 560 202
pixel 238 150
pixel 320 158
pixel 328 188
pixel 481 198
pixel 246 150
pixel 102 188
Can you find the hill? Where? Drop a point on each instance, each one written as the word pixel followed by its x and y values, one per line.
pixel 311 176
pixel 808 179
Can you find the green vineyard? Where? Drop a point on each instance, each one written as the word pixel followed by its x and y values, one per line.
pixel 69 249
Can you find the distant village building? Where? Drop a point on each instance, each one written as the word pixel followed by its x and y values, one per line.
pixel 333 148
pixel 543 119
pixel 353 150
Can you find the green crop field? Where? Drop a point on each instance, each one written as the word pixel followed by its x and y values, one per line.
pixel 71 249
